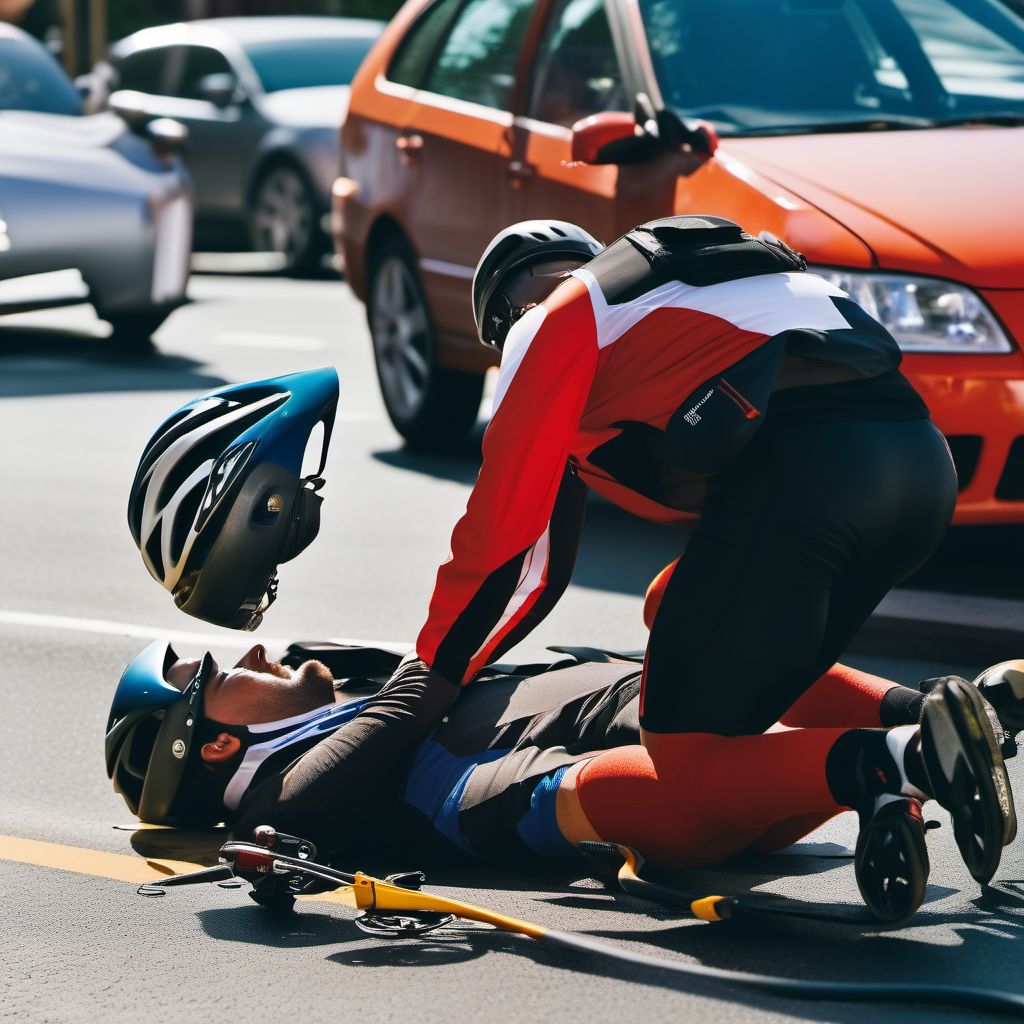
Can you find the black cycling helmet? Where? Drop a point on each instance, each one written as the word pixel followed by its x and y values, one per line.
pixel 218 502
pixel 517 248
pixel 151 739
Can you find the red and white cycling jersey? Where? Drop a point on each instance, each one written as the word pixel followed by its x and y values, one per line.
pixel 640 399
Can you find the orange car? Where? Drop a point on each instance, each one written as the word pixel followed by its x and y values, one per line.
pixel 882 138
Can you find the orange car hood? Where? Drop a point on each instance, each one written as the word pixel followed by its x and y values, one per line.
pixel 947 202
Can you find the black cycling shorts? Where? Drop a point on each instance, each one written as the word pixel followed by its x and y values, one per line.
pixel 801 537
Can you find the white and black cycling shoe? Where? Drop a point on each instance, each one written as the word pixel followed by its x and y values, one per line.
pixel 1002 686
pixel 891 860
pixel 961 740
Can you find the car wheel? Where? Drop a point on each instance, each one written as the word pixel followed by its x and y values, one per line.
pixel 132 329
pixel 432 407
pixel 282 219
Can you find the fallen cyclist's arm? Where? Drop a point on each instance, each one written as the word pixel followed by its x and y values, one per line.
pixel 313 796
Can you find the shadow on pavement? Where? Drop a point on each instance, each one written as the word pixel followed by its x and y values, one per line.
pixel 431 951
pixel 253 924
pixel 618 551
pixel 981 957
pixel 461 465
pixel 43 361
pixel 193 846
pixel 973 560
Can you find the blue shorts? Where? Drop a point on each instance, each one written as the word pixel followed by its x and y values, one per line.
pixel 486 780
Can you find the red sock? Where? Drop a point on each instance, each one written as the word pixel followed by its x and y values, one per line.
pixel 694 798
pixel 842 696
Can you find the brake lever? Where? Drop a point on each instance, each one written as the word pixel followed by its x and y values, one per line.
pixel 159 888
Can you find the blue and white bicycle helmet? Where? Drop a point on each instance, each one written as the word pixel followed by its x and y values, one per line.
pixel 151 741
pixel 218 501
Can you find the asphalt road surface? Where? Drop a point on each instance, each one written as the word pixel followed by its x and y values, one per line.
pixel 77 944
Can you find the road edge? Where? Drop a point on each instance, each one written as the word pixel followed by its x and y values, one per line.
pixel 944 627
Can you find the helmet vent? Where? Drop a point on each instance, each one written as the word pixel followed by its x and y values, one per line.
pixel 181 423
pixel 540 236
pixel 558 231
pixel 184 517
pixel 209 449
pixel 153 554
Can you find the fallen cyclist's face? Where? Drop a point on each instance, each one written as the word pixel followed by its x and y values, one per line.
pixel 257 690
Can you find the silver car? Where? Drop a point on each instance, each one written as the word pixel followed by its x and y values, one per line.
pixel 89 211
pixel 262 98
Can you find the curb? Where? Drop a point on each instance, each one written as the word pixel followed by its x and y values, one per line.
pixel 944 627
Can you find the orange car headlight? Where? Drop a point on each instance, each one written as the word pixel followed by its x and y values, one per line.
pixel 924 314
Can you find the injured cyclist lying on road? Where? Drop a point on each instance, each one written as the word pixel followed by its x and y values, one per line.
pixel 535 759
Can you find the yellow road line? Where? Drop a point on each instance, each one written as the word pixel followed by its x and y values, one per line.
pixel 118 867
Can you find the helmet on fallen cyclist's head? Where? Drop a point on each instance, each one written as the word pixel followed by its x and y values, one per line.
pixel 513 251
pixel 152 738
pixel 219 499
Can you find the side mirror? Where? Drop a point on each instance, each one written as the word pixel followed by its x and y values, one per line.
pixel 166 136
pixel 220 89
pixel 130 106
pixel 593 134
pixel 619 138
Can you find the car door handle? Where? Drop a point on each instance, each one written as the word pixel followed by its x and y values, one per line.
pixel 409 146
pixel 520 172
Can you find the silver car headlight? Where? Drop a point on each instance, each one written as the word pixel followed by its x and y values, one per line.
pixel 924 314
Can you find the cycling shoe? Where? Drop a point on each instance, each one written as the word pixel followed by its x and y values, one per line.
pixel 891 860
pixel 1002 686
pixel 960 747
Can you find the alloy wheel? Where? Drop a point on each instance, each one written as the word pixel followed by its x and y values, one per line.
pixel 282 215
pixel 400 337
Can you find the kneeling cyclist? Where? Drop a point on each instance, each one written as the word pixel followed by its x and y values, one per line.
pixel 690 369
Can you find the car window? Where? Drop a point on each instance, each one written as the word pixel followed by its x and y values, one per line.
pixel 200 61
pixel 304 63
pixel 417 49
pixel 576 72
pixel 973 48
pixel 479 57
pixel 836 62
pixel 144 70
pixel 30 79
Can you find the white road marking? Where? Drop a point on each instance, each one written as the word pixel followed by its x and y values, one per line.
pixel 221 639
pixel 247 339
pixel 343 416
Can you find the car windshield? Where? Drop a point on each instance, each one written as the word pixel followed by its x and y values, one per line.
pixel 30 79
pixel 789 66
pixel 300 63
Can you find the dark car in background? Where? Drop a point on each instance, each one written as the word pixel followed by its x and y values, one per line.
pixel 89 210
pixel 262 98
